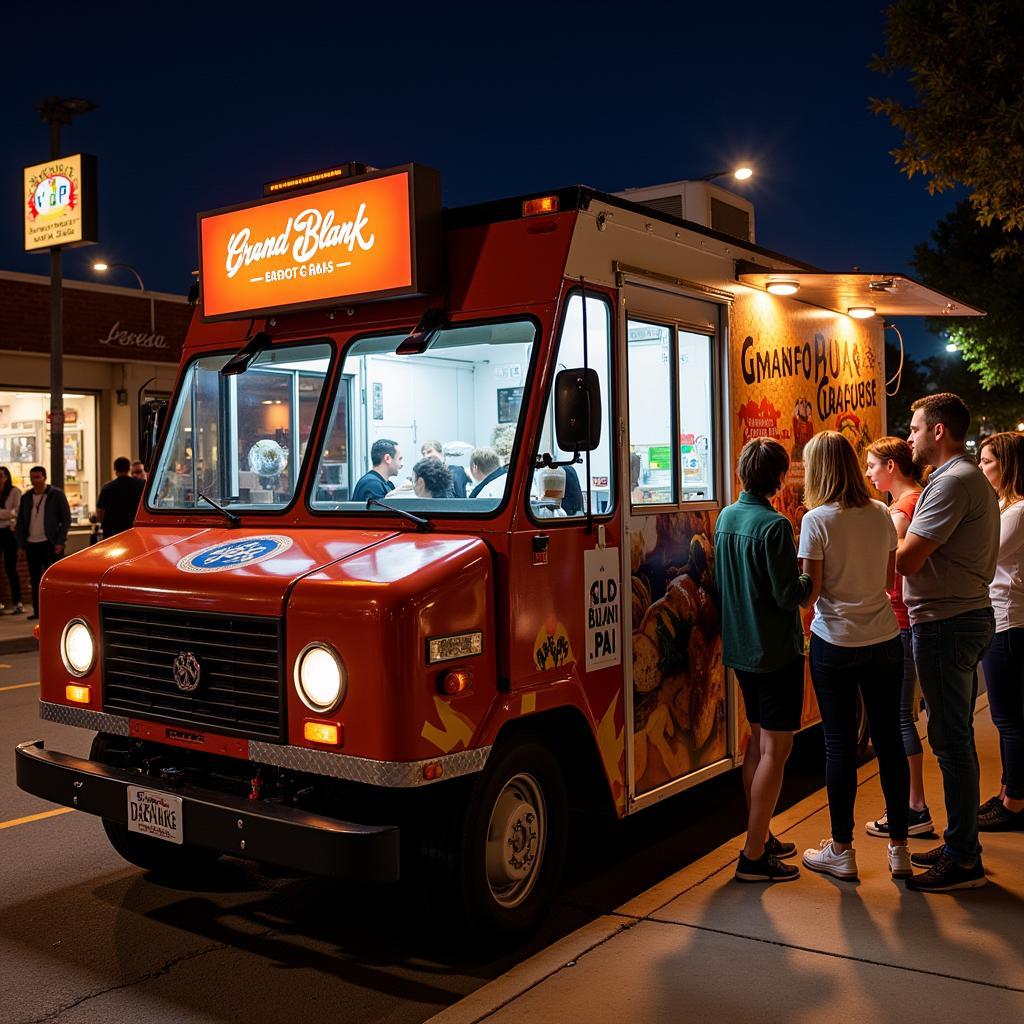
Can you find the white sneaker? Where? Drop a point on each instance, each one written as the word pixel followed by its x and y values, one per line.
pixel 830 861
pixel 899 861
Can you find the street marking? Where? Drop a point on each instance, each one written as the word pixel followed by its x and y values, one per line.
pixel 35 817
pixel 18 686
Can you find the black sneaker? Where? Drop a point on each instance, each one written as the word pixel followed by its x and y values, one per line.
pixel 989 804
pixel 777 848
pixel 945 875
pixel 928 857
pixel 766 868
pixel 919 823
pixel 999 819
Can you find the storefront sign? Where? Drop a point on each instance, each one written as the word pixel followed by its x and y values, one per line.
pixel 374 237
pixel 60 203
pixel 70 416
pixel 132 339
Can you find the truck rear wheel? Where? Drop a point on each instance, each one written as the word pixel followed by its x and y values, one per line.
pixel 500 848
pixel 164 859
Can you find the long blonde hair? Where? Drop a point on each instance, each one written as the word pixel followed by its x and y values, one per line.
pixel 832 472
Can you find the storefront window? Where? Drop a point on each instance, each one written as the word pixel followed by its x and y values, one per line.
pixel 25 442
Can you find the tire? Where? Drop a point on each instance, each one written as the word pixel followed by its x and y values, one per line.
pixel 162 859
pixel 498 848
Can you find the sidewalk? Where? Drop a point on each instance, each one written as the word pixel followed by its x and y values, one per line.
pixel 16 635
pixel 699 946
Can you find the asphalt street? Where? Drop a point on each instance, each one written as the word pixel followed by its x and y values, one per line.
pixel 86 937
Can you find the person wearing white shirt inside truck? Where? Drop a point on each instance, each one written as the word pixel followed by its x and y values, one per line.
pixel 848 547
pixel 1001 459
pixel 947 562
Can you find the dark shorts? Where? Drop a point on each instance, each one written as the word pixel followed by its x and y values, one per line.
pixel 774 700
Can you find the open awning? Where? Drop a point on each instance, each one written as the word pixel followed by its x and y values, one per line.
pixel 887 294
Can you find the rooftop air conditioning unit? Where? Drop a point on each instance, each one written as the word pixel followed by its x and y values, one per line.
pixel 700 202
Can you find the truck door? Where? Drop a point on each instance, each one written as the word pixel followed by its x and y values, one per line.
pixel 679 713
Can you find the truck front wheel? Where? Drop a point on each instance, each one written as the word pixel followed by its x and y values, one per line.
pixel 501 847
pixel 163 859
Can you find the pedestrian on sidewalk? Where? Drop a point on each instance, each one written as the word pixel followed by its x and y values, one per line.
pixel 118 500
pixel 1001 458
pixel 10 498
pixel 848 548
pixel 891 469
pixel 44 519
pixel 947 561
pixel 762 641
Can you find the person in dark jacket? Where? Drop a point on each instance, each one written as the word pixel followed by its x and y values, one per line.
pixel 386 457
pixel 460 482
pixel 762 590
pixel 44 518
pixel 119 499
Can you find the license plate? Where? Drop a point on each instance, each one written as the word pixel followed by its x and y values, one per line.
pixel 156 814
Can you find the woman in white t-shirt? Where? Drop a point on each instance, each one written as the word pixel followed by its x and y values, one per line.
pixel 848 548
pixel 1001 458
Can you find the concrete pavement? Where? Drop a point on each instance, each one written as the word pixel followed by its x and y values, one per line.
pixel 699 946
pixel 16 633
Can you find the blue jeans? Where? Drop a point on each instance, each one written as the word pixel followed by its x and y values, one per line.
pixel 947 653
pixel 838 673
pixel 908 697
pixel 1004 679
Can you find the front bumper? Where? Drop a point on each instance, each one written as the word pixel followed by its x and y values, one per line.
pixel 258 831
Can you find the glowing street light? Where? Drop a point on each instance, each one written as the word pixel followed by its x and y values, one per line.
pixel 742 173
pixel 101 268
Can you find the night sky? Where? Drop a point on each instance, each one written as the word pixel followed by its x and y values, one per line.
pixel 198 108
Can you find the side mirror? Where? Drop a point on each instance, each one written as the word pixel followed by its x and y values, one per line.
pixel 578 410
pixel 151 422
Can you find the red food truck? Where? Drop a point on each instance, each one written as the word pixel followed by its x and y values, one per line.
pixel 425 558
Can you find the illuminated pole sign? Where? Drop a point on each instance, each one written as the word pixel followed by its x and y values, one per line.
pixel 60 203
pixel 377 236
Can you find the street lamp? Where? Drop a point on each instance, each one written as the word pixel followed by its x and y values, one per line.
pixel 56 111
pixel 101 268
pixel 741 173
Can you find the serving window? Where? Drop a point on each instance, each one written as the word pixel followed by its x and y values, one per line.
pixel 674 445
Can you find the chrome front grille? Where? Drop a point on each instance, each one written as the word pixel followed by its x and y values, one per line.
pixel 240 690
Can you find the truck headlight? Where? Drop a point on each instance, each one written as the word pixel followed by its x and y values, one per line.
pixel 77 647
pixel 320 677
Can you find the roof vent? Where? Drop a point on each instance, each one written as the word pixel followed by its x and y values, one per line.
pixel 709 205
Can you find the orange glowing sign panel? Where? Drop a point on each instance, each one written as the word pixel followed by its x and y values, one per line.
pixel 374 237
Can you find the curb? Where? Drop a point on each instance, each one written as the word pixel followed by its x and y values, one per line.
pixel 19 645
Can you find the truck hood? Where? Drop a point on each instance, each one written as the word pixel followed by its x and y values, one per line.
pixel 240 570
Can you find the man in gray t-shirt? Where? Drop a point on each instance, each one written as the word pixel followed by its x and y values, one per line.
pixel 947 560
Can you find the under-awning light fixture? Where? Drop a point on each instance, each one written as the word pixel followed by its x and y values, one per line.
pixel 783 287
pixel 861 312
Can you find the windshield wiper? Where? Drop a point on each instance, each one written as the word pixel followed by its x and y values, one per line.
pixel 233 519
pixel 423 525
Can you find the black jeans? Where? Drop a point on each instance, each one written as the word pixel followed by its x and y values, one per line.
pixel 1004 679
pixel 40 556
pixel 877 672
pixel 10 553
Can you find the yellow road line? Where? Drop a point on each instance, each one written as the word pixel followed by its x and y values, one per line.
pixel 35 817
pixel 18 686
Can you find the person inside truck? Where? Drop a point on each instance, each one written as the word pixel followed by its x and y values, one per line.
pixel 386 457
pixel 488 474
pixel 431 479
pixel 460 484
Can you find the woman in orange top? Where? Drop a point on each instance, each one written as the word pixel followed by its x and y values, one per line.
pixel 891 468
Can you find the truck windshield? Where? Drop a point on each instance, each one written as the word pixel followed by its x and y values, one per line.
pixel 241 440
pixel 428 432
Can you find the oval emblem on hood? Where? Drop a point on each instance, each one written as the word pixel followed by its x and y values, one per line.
pixel 235 553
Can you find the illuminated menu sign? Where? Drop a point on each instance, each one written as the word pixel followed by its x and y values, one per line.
pixel 374 237
pixel 60 203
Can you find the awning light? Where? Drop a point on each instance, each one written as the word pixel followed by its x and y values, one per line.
pixel 783 287
pixel 861 312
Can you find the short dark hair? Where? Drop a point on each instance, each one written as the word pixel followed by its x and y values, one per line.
pixel 381 448
pixel 435 475
pixel 948 409
pixel 37 469
pixel 121 464
pixel 761 464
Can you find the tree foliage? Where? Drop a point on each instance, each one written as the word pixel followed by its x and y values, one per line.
pixel 964 60
pixel 958 261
